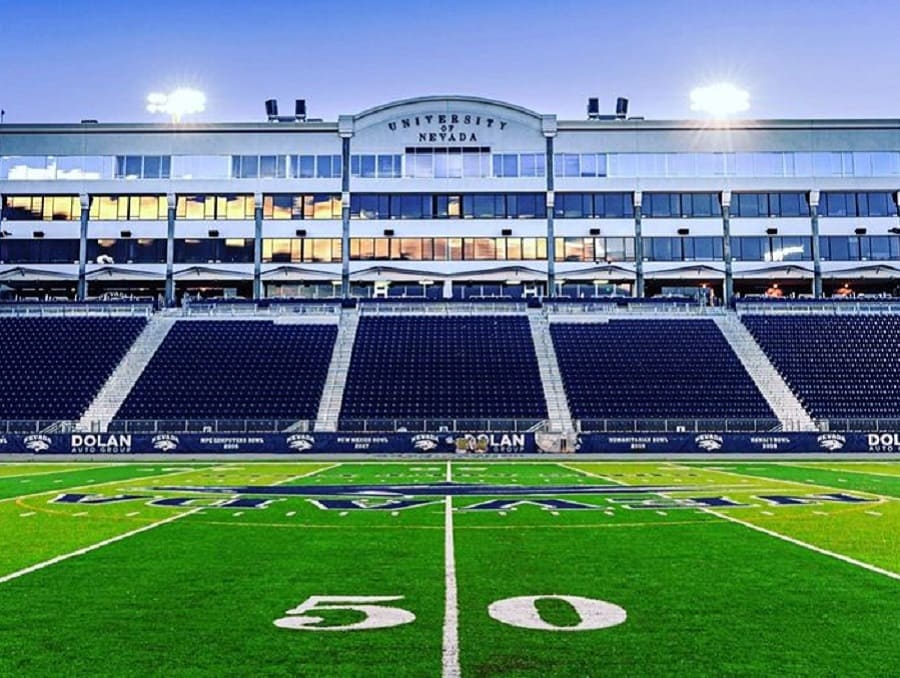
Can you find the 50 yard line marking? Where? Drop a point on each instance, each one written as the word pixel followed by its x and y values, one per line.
pixel 450 645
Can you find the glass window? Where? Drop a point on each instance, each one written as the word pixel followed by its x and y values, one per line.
pixel 303 166
pixel 880 249
pixel 662 249
pixel 133 169
pixel 321 206
pixel 151 207
pixel 614 205
pixel 750 248
pixel 152 166
pixel 885 164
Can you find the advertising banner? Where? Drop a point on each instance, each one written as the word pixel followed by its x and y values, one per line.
pixel 267 443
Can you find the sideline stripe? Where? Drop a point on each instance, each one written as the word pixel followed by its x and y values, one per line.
pixel 93 547
pixel 797 542
pixel 91 467
pixel 121 481
pixel 450 647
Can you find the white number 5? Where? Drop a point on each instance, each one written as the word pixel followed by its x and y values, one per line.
pixel 377 616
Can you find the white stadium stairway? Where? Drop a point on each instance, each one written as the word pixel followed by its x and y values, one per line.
pixel 784 403
pixel 116 389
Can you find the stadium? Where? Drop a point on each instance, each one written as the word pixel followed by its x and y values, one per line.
pixel 481 391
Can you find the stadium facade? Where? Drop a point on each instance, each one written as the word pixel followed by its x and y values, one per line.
pixel 450 197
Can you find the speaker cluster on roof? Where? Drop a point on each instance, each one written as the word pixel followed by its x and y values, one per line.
pixel 593 110
pixel 299 112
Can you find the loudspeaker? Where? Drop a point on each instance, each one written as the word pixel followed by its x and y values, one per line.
pixel 594 231
pixel 506 231
pixel 621 108
pixel 684 231
pixel 125 234
pixel 213 233
pixel 301 232
pixel 300 109
pixel 860 231
pixel 38 234
pixel 389 232
pixel 271 108
pixel 593 107
pixel 771 231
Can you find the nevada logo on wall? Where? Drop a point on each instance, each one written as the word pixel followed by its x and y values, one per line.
pixel 301 442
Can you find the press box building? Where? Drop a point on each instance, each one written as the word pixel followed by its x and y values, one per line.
pixel 450 196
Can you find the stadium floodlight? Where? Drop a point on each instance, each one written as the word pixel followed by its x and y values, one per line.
pixel 720 100
pixel 177 103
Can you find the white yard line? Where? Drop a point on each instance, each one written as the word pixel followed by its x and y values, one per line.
pixel 93 547
pixel 307 474
pixel 90 486
pixel 777 535
pixel 812 465
pixel 813 484
pixel 450 651
pixel 797 542
pixel 589 473
pixel 89 467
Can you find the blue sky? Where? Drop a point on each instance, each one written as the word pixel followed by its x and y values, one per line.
pixel 61 61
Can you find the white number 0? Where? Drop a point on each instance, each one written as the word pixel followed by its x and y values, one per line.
pixel 523 612
pixel 377 616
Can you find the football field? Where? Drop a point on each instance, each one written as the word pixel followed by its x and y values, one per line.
pixel 467 567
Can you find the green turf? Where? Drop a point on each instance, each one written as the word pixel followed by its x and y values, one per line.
pixel 811 475
pixel 199 596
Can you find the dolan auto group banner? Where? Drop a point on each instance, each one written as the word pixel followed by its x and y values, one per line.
pixel 267 443
pixel 747 443
pixel 435 443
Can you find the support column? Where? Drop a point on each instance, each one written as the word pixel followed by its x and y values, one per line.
pixel 81 293
pixel 345 129
pixel 638 247
pixel 726 247
pixel 816 250
pixel 257 246
pixel 549 127
pixel 170 251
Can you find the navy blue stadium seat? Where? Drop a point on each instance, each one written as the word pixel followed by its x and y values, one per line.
pixel 235 369
pixel 654 369
pixel 454 367
pixel 51 368
pixel 845 366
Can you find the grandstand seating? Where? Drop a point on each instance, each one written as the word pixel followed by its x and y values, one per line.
pixel 234 369
pixel 845 366
pixel 453 367
pixel 51 368
pixel 626 369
